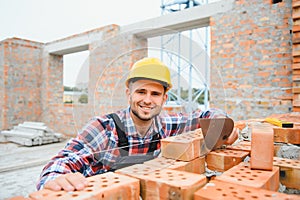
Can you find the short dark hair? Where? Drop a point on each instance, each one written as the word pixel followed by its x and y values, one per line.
pixel 164 84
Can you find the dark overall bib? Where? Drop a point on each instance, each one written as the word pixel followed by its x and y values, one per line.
pixel 125 160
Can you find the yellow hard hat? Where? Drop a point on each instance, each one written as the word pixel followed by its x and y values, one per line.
pixel 150 68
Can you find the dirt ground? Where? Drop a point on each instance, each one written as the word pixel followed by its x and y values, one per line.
pixel 20 167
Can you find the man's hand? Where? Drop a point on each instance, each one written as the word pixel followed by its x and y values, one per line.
pixel 67 182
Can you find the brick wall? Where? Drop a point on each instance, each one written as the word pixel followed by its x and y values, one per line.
pixel 20 67
pixel 2 84
pixel 110 70
pixel 110 58
pixel 251 50
pixel 296 55
pixel 251 70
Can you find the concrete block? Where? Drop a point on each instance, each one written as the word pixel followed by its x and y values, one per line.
pixel 21 134
pixel 163 184
pixel 104 186
pixel 242 174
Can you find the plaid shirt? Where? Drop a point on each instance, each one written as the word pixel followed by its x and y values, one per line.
pixel 95 148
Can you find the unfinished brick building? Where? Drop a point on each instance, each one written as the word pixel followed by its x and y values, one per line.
pixel 254 46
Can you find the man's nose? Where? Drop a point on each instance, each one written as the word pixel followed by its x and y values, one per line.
pixel 147 99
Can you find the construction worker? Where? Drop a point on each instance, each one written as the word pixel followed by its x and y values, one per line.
pixel 114 139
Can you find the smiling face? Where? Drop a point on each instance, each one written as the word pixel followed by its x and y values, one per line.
pixel 146 99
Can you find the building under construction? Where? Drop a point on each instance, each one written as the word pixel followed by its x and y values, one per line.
pixel 254 74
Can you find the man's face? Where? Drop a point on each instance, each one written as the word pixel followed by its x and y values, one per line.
pixel 146 99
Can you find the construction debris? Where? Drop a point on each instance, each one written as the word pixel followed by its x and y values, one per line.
pixel 31 134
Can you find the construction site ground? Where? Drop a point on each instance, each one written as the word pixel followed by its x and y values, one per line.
pixel 21 166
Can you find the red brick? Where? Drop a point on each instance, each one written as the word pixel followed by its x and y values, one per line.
pixel 224 159
pixel 241 146
pixel 227 191
pixel 185 147
pixel 19 198
pixel 104 186
pixel 296 66
pixel 287 135
pixel 194 166
pixel 241 174
pixel 163 184
pixel 262 147
pixel 289 172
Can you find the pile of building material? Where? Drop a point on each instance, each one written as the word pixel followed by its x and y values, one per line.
pixel 31 134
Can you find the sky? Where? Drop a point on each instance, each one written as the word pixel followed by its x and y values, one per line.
pixel 49 20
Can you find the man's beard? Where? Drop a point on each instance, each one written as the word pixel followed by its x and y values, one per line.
pixel 141 118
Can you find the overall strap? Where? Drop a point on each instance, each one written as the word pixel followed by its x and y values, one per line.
pixel 123 141
pixel 154 142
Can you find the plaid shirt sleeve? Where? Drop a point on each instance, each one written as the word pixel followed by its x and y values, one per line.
pixel 178 123
pixel 95 147
pixel 80 153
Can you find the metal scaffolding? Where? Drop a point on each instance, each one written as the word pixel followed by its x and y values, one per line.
pixel 188 77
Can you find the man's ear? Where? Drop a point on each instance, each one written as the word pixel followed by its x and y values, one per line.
pixel 128 94
pixel 165 98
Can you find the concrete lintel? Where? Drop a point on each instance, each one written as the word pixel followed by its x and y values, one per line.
pixel 191 18
pixel 72 44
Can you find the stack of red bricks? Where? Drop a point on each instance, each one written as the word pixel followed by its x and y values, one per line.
pixel 179 173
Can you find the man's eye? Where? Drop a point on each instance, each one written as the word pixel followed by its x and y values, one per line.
pixel 156 94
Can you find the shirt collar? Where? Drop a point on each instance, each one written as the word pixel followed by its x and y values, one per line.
pixel 131 130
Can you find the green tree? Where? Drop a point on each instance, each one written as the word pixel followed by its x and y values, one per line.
pixel 67 88
pixel 83 98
